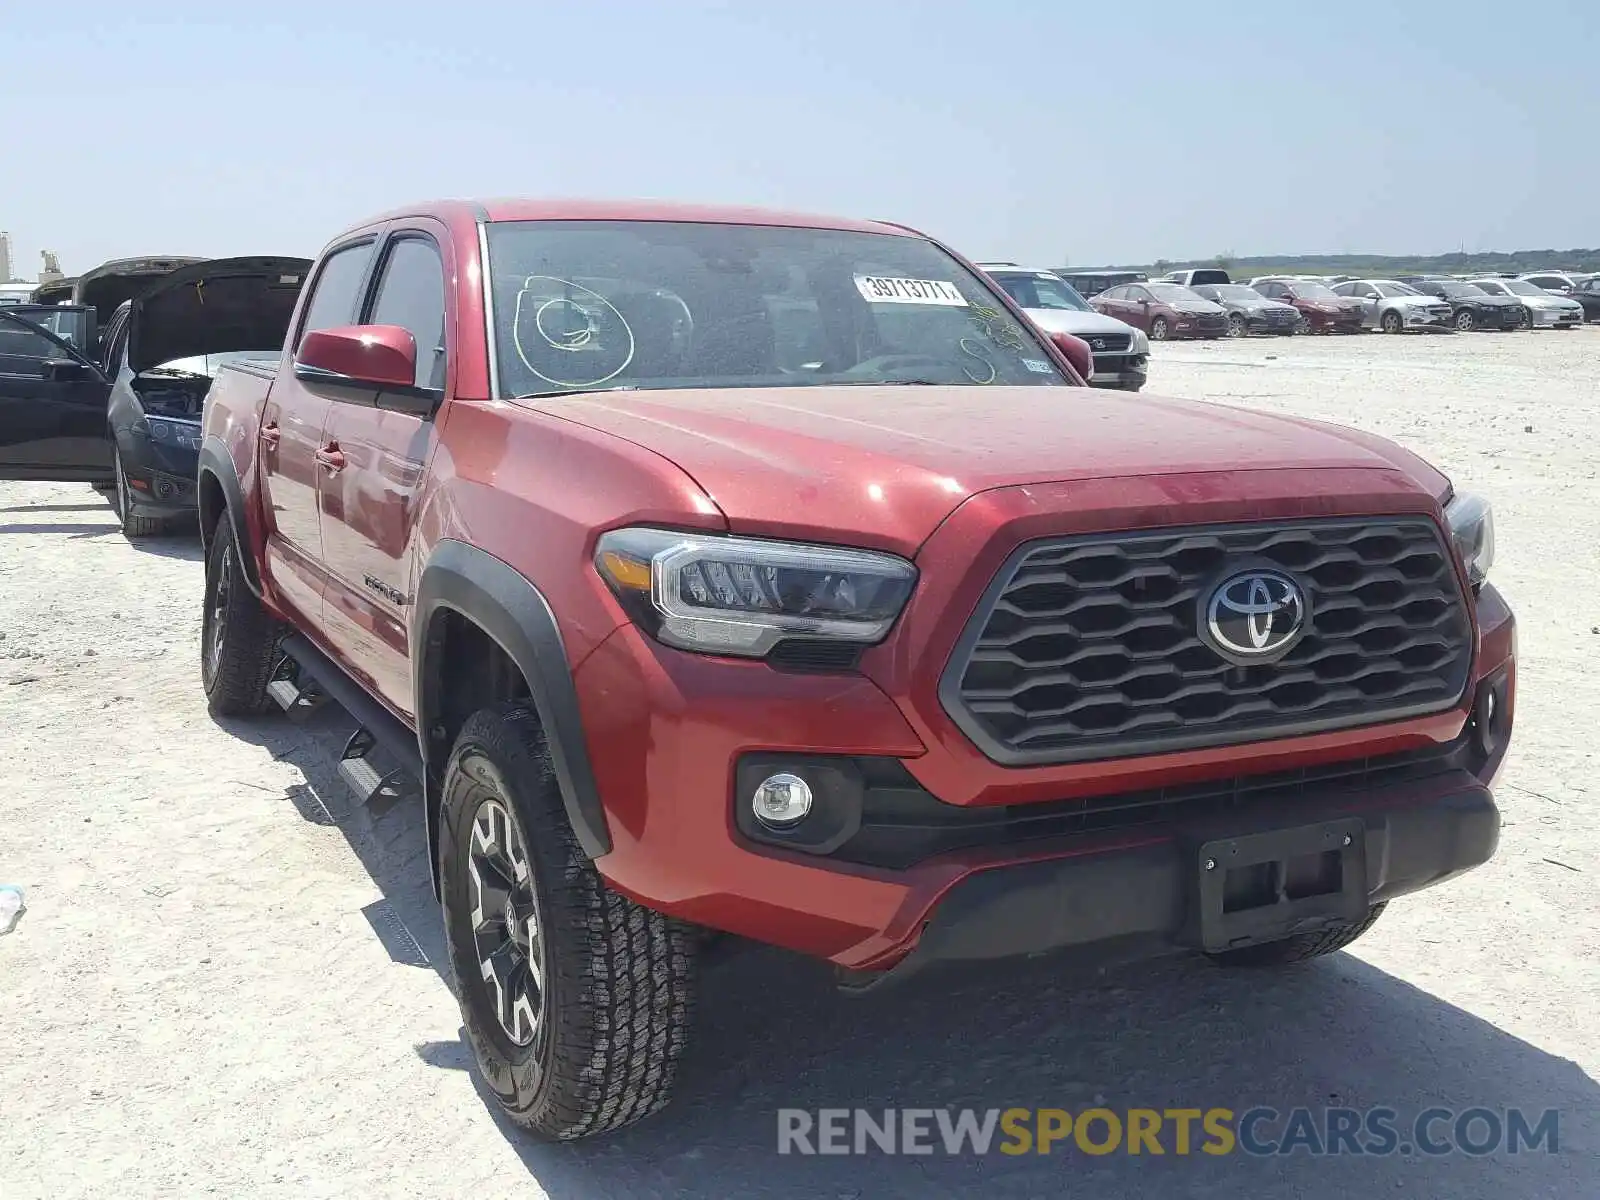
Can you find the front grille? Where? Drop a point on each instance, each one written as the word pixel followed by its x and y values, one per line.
pixel 1107 341
pixel 1090 647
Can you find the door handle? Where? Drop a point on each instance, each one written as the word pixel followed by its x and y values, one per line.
pixel 331 456
pixel 270 435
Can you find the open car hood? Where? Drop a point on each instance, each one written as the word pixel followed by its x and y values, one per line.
pixel 213 306
pixel 109 284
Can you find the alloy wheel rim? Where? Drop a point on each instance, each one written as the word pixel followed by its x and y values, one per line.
pixel 1158 330
pixel 217 612
pixel 507 937
pixel 1235 326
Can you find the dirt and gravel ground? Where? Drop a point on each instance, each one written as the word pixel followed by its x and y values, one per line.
pixel 223 983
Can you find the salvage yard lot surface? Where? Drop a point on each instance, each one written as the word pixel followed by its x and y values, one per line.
pixel 221 985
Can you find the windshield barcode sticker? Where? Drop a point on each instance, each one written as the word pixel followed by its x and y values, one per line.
pixel 887 289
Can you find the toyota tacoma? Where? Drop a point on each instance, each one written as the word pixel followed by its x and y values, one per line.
pixel 716 571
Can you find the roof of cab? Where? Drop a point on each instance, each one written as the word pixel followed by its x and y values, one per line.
pixel 529 209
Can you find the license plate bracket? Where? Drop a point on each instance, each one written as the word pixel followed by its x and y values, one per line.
pixel 1262 887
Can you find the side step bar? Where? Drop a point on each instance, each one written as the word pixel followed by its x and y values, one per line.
pixel 308 678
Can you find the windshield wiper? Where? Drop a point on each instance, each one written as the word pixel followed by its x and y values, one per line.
pixel 573 392
pixel 890 383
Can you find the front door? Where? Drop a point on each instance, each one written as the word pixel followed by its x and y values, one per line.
pixel 291 443
pixel 369 503
pixel 52 400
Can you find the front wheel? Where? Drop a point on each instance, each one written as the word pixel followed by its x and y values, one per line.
pixel 1159 330
pixel 1300 947
pixel 1235 325
pixel 1464 321
pixel 576 1001
pixel 1392 322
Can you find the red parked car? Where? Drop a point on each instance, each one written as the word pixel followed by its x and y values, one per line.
pixel 718 571
pixel 1322 310
pixel 1164 310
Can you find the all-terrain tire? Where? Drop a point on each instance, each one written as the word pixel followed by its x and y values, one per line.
pixel 132 526
pixel 238 637
pixel 617 980
pixel 1299 948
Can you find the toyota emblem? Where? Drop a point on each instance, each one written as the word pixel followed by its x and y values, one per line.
pixel 1098 343
pixel 1255 616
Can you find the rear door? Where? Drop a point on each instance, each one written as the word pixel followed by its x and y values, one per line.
pixel 291 437
pixel 52 402
pixel 369 498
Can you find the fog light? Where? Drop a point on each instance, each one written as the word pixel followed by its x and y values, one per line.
pixel 781 800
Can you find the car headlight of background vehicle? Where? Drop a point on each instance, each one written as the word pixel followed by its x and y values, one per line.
pixel 169 433
pixel 733 595
pixel 1471 522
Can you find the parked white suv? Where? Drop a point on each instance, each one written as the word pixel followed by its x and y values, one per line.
pixel 1121 352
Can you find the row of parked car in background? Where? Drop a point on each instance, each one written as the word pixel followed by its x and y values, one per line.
pixel 1120 312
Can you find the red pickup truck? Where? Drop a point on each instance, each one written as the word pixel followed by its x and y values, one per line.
pixel 770 575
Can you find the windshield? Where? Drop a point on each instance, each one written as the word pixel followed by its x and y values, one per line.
pixel 1461 291
pixel 208 364
pixel 1237 291
pixel 1316 291
pixel 1042 291
pixel 600 305
pixel 1173 293
pixel 1394 289
pixel 1523 288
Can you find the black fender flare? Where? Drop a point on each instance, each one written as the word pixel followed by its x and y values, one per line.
pixel 514 613
pixel 218 463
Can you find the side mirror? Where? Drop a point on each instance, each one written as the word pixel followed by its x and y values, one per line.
pixel 67 370
pixel 366 356
pixel 365 364
pixel 1077 352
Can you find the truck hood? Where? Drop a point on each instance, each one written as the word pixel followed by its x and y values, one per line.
pixel 883 466
pixel 214 306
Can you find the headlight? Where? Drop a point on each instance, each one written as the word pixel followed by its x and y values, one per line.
pixel 169 433
pixel 730 595
pixel 1140 343
pixel 1471 522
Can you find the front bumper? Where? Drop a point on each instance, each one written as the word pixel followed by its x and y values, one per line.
pixel 1119 370
pixel 1556 318
pixel 1497 317
pixel 1342 322
pixel 1147 899
pixel 1256 323
pixel 161 477
pixel 672 737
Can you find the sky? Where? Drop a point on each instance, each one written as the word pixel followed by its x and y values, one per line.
pixel 1049 132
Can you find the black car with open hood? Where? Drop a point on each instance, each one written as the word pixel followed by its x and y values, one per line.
pixel 112 283
pixel 132 414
